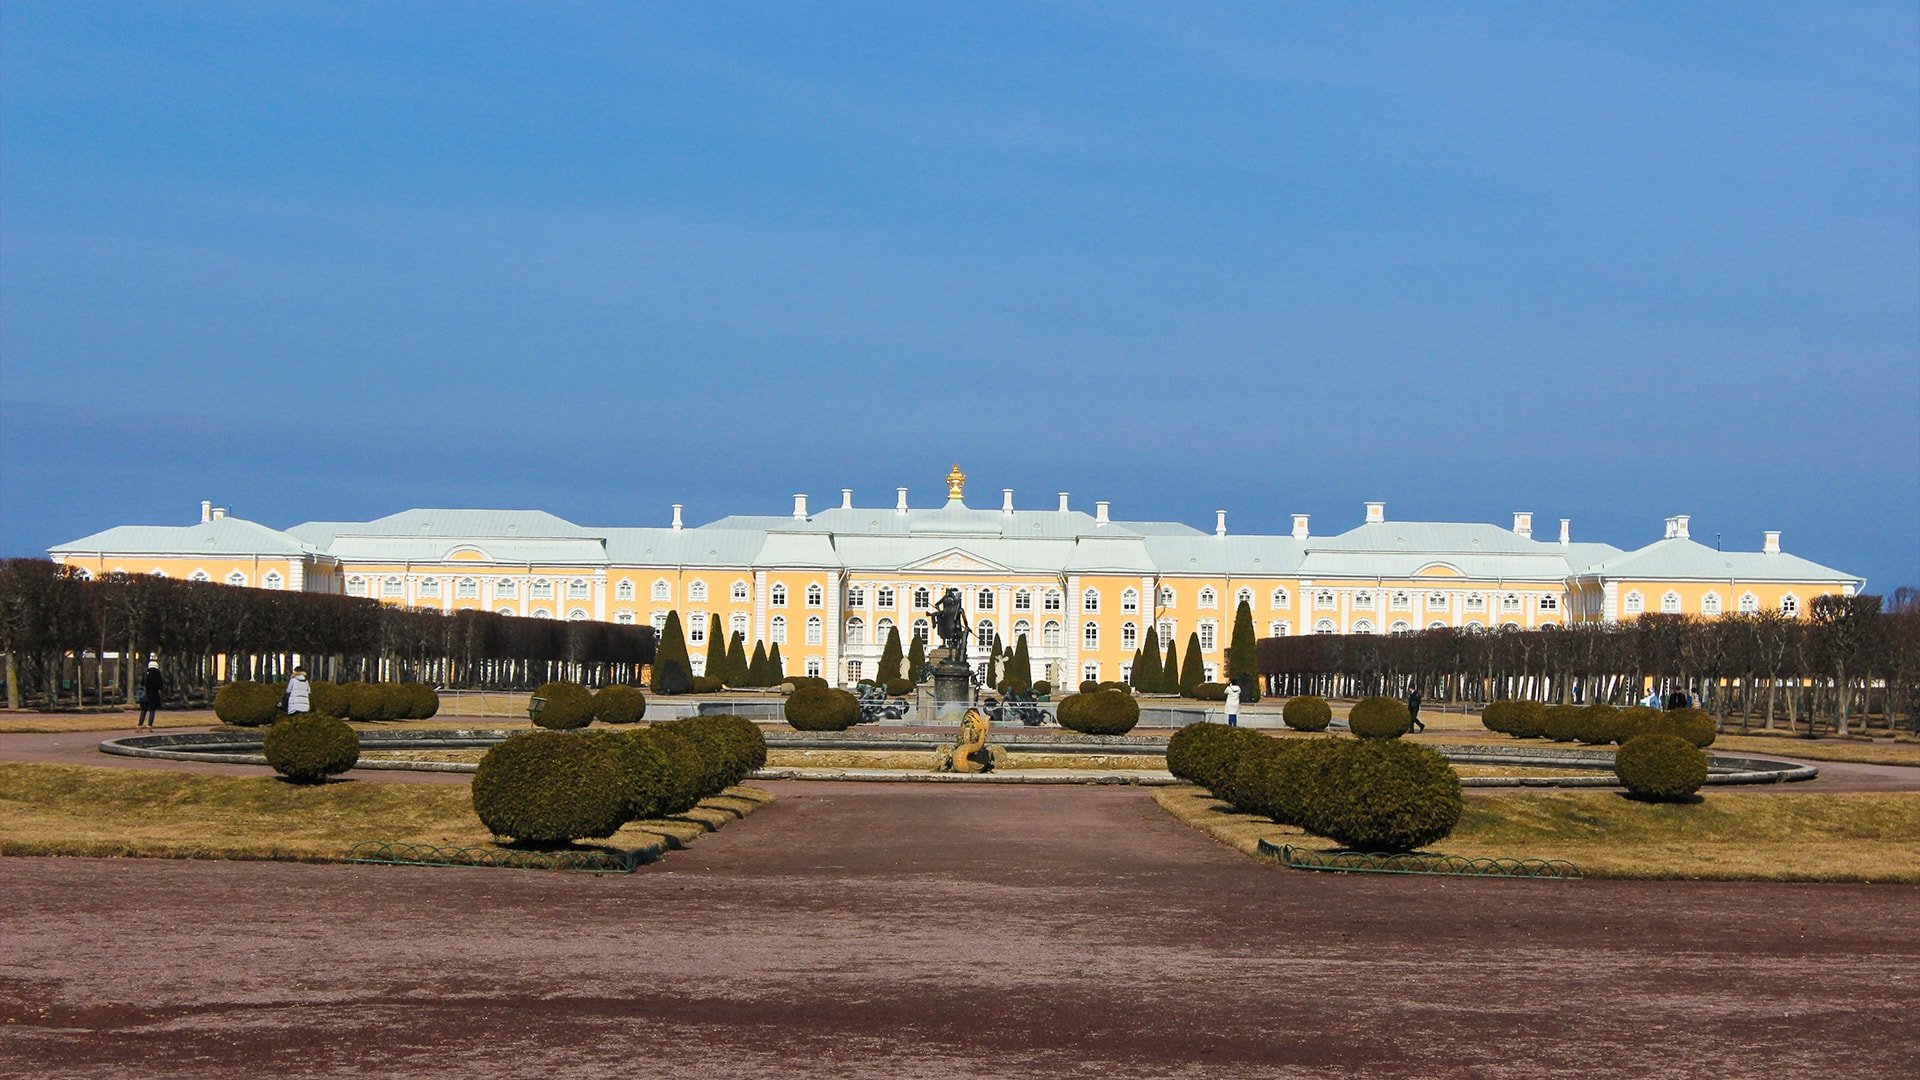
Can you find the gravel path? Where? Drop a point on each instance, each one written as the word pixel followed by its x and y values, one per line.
pixel 905 931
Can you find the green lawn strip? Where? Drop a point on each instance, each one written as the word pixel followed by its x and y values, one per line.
pixel 1733 836
pixel 99 811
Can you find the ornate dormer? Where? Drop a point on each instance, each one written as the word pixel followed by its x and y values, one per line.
pixel 956 481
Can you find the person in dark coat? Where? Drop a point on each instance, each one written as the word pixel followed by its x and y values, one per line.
pixel 153 686
pixel 1678 699
pixel 1413 709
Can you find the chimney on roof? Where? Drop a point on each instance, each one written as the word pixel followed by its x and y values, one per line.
pixel 1680 526
pixel 846 498
pixel 901 506
pixel 1100 512
pixel 1219 523
pixel 206 510
pixel 1006 501
pixel 800 508
pixel 1566 531
pixel 1523 523
pixel 1771 544
pixel 219 512
pixel 1376 513
pixel 676 518
pixel 1063 502
pixel 1299 526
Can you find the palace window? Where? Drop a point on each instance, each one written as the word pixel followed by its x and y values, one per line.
pixel 1050 635
pixel 856 597
pixel 505 588
pixel 1476 602
pixel 392 586
pixel 1130 601
pixel 1436 626
pixel 1510 602
pixel 983 634
pixel 816 596
pixel 1090 600
pixel 1090 671
pixel 1278 628
pixel 985 600
pixel 1244 596
pixel 1790 606
pixel 578 589
pixel 813 667
pixel 1208 630
pixel 1129 636
pixel 1280 600
pixel 1324 626
pixel 882 630
pixel 738 625
pixel 777 630
pixel 1126 672
pixel 202 575
pixel 577 615
pixel 1166 631
pixel 156 572
pixel 1363 626
pixel 922 598
pixel 1710 604
pixel 430 588
pixel 777 596
pixel 1363 600
pixel 659 621
pixel 1670 603
pixel 1090 636
pixel 624 590
pixel 1022 629
pixel 624 618
pixel 1437 601
pixel 741 592
pixel 543 614
pixel 1549 602
pixel 853 671
pixel 883 598
pixel 542 589
pixel 1749 604
pixel 923 630
pixel 1632 605
pixel 1167 596
pixel 236 578
pixel 1401 600
pixel 466 589
pixel 814 629
pixel 697 628
pixel 697 592
pixel 856 632
pixel 1323 600
pixel 1209 599
pixel 1022 600
pixel 1052 600
pixel 273 580
pixel 356 586
pixel 662 590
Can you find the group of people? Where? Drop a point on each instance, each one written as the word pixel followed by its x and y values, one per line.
pixel 152 689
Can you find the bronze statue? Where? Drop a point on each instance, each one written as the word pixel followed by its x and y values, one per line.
pixel 950 622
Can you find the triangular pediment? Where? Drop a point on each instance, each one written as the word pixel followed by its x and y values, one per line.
pixel 957 561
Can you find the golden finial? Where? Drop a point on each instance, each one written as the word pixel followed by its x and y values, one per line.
pixel 955 481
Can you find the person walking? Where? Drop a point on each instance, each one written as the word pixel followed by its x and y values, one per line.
pixel 1652 700
pixel 1679 699
pixel 299 693
pixel 1413 708
pixel 1233 704
pixel 153 686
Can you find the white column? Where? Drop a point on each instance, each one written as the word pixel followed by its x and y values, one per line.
pixel 600 595
pixel 830 633
pixel 760 611
pixel 1070 618
pixel 1610 602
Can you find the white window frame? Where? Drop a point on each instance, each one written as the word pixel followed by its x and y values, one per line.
pixel 1090 636
pixel 624 590
pixel 273 580
pixel 1090 601
pixel 1129 601
pixel 1400 600
pixel 1129 635
pixel 429 588
pixel 696 592
pixel 1749 604
pixel 540 589
pixel 1279 600
pixel 237 578
pixel 777 630
pixel 856 631
pixel 662 590
pixel 1209 632
pixel 1633 603
pixel 983 598
pixel 742 592
pixel 1022 600
pixel 816 630
pixel 392 588
pixel 1053 600
pixel 505 588
pixel 1208 600
pixel 1670 602
pixel 579 589
pixel 1050 634
pixel 1790 606
pixel 883 598
pixel 816 596
pixel 466 589
pixel 1710 603
pixel 777 596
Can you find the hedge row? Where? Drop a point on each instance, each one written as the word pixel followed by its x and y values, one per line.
pixel 546 789
pixel 1595 725
pixel 566 706
pixel 251 704
pixel 1371 794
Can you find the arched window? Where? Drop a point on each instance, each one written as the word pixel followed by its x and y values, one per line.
pixel 1323 600
pixel 1710 604
pixel 1050 635
pixel 273 580
pixel 543 614
pixel 466 589
pixel 1090 636
pixel 577 615
pixel 1670 602
pixel 777 596
pixel 624 618
pixel 1052 600
pixel 430 588
pixel 1090 600
pixel 922 599
pixel 814 629
pixel 1167 596
pixel 983 634
pixel 1633 604
pixel 356 586
pixel 83 573
pixel 578 589
pixel 392 586
pixel 1400 627
pixel 1022 629
pixel 1022 600
pixel 202 575
pixel 1436 626
pixel 1437 601
pixel 1209 599
pixel 881 630
pixel 1280 600
pixel 697 592
pixel 1208 635
pixel 662 590
pixel 1790 606
pixel 1400 600
pixel 1549 602
pixel 509 611
pixel 505 588
pixel 1363 600
pixel 1324 626
pixel 741 592
pixel 542 589
pixel 1476 602
pixel 236 578
pixel 984 600
pixel 1279 628
pixel 1510 602
pixel 1363 626
pixel 883 597
pixel 1244 596
pixel 624 590
pixel 1130 601
pixel 816 596
pixel 1129 636
pixel 923 630
pixel 1474 627
pixel 777 630
pixel 1749 604
pixel 856 631
pixel 157 572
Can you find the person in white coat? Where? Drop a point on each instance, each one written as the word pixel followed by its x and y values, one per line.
pixel 1233 704
pixel 299 693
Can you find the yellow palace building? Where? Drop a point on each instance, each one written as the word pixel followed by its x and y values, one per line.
pixel 828 585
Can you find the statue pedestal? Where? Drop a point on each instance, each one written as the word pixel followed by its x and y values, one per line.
pixel 952 692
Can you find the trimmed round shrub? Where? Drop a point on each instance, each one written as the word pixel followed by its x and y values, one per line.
pixel 1199 753
pixel 1123 688
pixel 708 684
pixel 1245 782
pixel 248 704
pixel 1633 720
pixel 1693 725
pixel 899 687
pixel 719 761
pixel 1103 712
pixel 750 745
pixel 568 705
pixel 1379 718
pixel 619 704
pixel 546 789
pixel 795 682
pixel 1597 725
pixel 1377 794
pixel 1660 768
pixel 646 781
pixel 1280 783
pixel 1562 723
pixel 1307 713
pixel 328 699
pixel 419 700
pixel 1211 691
pixel 1088 686
pixel 396 700
pixel 364 701
pixel 1043 688
pixel 684 767
pixel 821 708
pixel 309 747
pixel 1499 716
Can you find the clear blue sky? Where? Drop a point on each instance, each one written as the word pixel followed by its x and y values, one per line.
pixel 331 261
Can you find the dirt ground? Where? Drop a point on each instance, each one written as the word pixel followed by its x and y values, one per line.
pixel 902 931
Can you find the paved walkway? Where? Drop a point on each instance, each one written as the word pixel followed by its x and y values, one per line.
pixel 903 931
